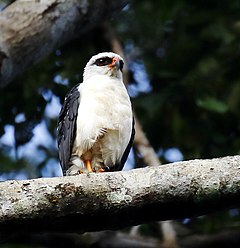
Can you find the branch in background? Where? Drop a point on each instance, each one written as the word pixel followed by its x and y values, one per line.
pixel 223 239
pixel 120 199
pixel 143 145
pixel 32 29
pixel 229 238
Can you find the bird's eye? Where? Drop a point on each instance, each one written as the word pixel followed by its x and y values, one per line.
pixel 103 61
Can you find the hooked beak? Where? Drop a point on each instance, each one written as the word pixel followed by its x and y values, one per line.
pixel 115 63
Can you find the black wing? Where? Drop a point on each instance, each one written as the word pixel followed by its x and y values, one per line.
pixel 66 127
pixel 127 150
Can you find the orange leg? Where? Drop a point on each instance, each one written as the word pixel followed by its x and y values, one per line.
pixel 89 166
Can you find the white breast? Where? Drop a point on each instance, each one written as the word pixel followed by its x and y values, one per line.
pixel 104 107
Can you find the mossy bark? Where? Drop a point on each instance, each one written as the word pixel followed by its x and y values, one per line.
pixel 119 199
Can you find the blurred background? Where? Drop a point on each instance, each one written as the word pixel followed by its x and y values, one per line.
pixel 183 60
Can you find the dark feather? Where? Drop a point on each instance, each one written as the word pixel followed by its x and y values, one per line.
pixel 66 126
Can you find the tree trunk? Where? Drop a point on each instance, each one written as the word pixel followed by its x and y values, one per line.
pixel 29 30
pixel 113 200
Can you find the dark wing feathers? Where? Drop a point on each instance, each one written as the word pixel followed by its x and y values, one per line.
pixel 66 126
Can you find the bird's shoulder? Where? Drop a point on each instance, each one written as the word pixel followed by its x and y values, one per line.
pixel 71 96
pixel 69 108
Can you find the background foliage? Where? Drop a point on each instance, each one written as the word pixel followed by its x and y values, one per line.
pixel 183 59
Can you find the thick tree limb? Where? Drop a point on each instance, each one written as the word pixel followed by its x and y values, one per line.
pixel 31 29
pixel 119 199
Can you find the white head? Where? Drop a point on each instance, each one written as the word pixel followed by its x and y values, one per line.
pixel 106 63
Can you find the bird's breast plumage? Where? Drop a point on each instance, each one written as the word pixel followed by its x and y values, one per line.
pixel 104 111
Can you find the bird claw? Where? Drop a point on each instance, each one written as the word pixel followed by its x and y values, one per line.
pixel 85 168
pixel 99 170
pixel 70 172
pixel 75 170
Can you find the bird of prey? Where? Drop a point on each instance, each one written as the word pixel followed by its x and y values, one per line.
pixel 96 125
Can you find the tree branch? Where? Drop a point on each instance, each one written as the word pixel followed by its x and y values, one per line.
pixel 32 29
pixel 120 199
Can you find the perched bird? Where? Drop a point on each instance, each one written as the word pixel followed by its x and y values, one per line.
pixel 96 125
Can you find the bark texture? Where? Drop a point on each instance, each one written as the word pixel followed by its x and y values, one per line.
pixel 29 30
pixel 120 199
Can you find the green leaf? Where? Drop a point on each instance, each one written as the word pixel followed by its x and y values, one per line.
pixel 212 104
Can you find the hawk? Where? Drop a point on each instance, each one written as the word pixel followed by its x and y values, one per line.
pixel 95 128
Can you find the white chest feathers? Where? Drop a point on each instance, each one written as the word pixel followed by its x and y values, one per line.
pixel 104 122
